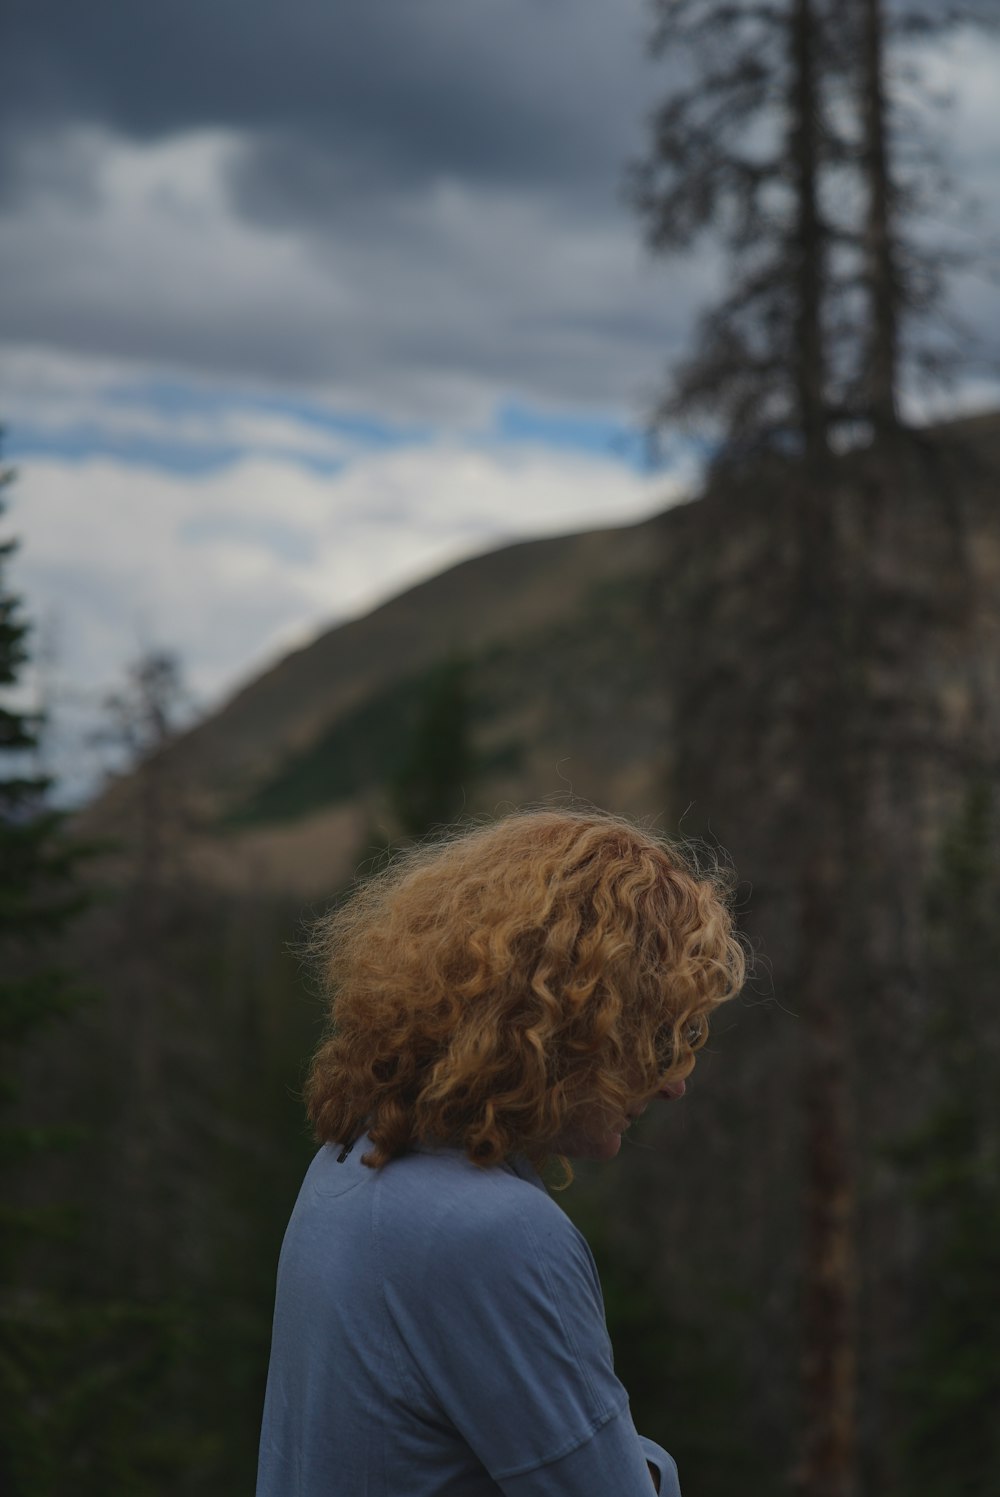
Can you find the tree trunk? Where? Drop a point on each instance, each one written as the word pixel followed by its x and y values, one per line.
pixel 809 258
pixel 828 1457
pixel 829 1361
pixel 882 274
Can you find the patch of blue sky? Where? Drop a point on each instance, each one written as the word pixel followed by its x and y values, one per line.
pixel 159 415
pixel 79 441
pixel 593 435
pixel 166 424
pixel 170 398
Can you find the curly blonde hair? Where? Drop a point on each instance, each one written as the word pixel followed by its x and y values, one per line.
pixel 485 989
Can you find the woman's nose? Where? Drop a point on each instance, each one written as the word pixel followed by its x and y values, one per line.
pixel 672 1089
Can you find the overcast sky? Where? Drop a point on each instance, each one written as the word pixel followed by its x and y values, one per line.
pixel 305 301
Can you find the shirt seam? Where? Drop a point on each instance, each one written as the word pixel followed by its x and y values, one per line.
pixel 576 1444
pixel 410 1372
pixel 553 1296
pixel 596 1421
pixel 389 1329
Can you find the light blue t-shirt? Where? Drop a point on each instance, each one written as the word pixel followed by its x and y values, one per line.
pixel 439 1332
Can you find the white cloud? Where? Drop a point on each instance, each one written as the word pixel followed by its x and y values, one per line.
pixel 154 247
pixel 234 567
pixel 431 302
pixel 429 298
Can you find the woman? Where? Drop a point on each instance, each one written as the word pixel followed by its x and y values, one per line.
pixel 514 995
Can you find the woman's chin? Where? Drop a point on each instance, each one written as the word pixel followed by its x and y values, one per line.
pixel 609 1147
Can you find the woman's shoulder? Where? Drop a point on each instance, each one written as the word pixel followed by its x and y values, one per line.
pixel 456 1207
pixel 446 1178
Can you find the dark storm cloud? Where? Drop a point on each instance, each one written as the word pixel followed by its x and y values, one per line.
pixel 505 91
pixel 402 192
pixel 451 171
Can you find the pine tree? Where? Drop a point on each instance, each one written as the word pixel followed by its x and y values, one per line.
pixel 38 896
pixel 951 1440
pixel 781 139
pixel 431 785
pixel 903 179
pixel 740 149
pixel 789 142
pixel 76 1372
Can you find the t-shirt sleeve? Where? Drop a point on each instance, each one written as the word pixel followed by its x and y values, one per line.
pixel 614 1460
pixel 501 1323
pixel 666 1467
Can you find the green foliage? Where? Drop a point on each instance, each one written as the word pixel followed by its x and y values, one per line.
pixel 86 1377
pixel 363 749
pixel 76 1371
pixel 37 899
pixel 189 1197
pixel 37 862
pixel 686 1387
pixel 256 1156
pixel 430 787
pixel 412 737
pixel 38 895
pixel 951 1445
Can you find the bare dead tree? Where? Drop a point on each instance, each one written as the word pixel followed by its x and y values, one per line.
pixel 781 139
pixel 743 149
pixel 906 329
pixel 141 721
pixel 739 152
pixel 797 135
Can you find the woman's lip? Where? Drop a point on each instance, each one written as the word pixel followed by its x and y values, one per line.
pixel 670 1092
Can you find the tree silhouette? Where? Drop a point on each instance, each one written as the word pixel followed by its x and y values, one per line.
pixel 38 896
pixel 430 787
pixel 951 1387
pixel 788 138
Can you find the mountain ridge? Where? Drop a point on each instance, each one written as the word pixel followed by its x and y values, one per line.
pixel 570 664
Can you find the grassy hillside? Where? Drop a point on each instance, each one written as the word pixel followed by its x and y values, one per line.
pixel 555 636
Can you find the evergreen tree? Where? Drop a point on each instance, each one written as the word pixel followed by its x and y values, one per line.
pixel 903 179
pixel 37 895
pixel 781 138
pixel 77 1371
pixel 431 785
pixel 746 146
pixel 740 149
pixel 787 140
pixel 37 898
pixel 951 1441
